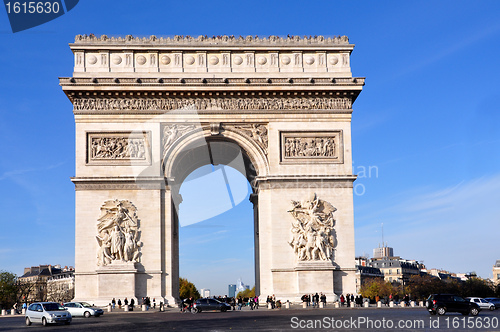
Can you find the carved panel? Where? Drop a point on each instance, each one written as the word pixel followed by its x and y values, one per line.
pixel 167 104
pixel 115 148
pixel 171 133
pixel 118 233
pixel 320 146
pixel 313 235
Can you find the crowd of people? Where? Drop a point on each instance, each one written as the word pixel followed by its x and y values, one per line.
pixel 314 299
pixel 144 301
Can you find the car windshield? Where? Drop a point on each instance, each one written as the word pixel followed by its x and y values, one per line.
pixel 85 304
pixel 53 307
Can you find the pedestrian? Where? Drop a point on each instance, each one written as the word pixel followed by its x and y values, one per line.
pixel 316 299
pixel 154 303
pixel 119 304
pixel 342 300
pixel 113 302
pixel 323 299
pixel 348 300
pixel 233 303
pixel 240 303
pixel 125 302
pixel 132 302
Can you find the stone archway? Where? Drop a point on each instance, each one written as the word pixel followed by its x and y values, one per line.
pixel 145 108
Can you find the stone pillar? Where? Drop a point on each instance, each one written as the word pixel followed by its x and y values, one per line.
pixel 321 305
pixel 304 305
pixel 4 312
pixel 12 312
pixel 379 304
pixel 352 305
pixel 422 303
pixel 127 308
pixel 402 304
pixel 336 305
pixel 366 304
pixel 391 304
pixel 143 307
pixel 412 303
pixel 287 304
pixel 110 308
pixel 24 311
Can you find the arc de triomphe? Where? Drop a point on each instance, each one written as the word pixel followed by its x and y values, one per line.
pixel 149 111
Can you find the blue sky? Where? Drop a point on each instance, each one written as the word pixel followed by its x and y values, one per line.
pixel 426 122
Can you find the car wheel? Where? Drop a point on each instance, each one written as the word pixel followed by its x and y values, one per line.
pixel 28 322
pixel 474 311
pixel 492 308
pixel 44 321
pixel 194 311
pixel 441 311
pixel 223 309
pixel 86 314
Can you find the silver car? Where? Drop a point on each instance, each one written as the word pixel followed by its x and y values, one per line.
pixel 47 313
pixel 82 309
pixel 482 303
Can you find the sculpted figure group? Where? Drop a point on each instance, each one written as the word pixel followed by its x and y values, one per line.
pixel 117 148
pixel 118 235
pixel 309 147
pixel 313 235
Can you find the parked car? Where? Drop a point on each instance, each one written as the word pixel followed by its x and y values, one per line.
pixel 494 300
pixel 443 303
pixel 47 313
pixel 82 309
pixel 207 304
pixel 482 303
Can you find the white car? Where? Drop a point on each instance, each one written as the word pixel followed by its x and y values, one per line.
pixel 82 309
pixel 47 312
pixel 482 303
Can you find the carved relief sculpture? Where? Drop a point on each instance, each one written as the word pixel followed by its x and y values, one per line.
pixel 313 235
pixel 118 233
pixel 171 133
pixel 318 146
pixel 256 132
pixel 117 147
pixel 167 104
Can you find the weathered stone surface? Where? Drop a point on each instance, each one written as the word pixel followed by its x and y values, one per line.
pixel 149 110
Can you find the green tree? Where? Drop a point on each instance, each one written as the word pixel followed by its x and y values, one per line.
pixel 8 289
pixel 247 293
pixel 187 289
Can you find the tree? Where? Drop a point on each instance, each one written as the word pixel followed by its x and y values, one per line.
pixel 376 286
pixel 477 287
pixel 8 290
pixel 187 289
pixel 247 293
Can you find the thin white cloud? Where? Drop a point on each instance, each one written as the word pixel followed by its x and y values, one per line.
pixel 450 227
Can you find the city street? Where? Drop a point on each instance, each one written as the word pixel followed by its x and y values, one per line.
pixel 357 319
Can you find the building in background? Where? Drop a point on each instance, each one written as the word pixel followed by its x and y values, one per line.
pixel 37 278
pixel 496 272
pixel 231 290
pixel 383 251
pixel 205 292
pixel 365 272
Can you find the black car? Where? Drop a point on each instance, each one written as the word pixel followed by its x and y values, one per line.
pixel 443 303
pixel 207 304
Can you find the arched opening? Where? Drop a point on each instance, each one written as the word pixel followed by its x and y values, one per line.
pixel 216 239
pixel 215 212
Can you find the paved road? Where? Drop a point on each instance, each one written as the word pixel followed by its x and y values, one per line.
pixel 355 319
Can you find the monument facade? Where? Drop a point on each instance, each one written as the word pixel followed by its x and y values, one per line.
pixel 149 111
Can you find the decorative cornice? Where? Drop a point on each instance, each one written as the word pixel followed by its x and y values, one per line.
pixel 214 40
pixel 123 183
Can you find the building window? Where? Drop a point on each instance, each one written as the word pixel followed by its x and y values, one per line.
pixel 390 271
